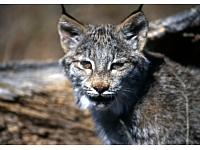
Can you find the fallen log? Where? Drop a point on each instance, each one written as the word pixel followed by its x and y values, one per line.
pixel 36 107
pixel 178 37
pixel 36 100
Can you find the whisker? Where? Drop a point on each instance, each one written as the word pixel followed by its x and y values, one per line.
pixel 127 90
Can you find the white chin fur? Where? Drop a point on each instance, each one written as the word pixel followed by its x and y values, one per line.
pixel 85 103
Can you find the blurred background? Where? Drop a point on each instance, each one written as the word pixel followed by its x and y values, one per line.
pixel 29 32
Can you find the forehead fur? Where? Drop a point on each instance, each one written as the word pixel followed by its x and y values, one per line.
pixel 103 39
pixel 101 34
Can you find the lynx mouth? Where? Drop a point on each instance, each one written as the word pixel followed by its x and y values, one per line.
pixel 102 103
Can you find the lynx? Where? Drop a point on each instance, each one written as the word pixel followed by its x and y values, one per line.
pixel 135 97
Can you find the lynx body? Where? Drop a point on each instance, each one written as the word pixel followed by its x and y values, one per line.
pixel 134 97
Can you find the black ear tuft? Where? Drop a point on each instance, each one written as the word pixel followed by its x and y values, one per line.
pixel 63 9
pixel 66 14
pixel 70 30
pixel 140 7
pixel 134 29
pixel 136 11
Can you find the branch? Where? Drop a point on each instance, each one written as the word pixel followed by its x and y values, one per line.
pixel 177 37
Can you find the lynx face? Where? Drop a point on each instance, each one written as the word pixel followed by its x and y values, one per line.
pixel 103 62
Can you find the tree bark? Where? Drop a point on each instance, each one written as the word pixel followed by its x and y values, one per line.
pixel 37 107
pixel 36 100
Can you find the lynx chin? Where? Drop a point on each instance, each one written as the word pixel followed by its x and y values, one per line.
pixel 134 96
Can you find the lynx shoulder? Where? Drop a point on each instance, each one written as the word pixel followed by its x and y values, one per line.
pixel 135 97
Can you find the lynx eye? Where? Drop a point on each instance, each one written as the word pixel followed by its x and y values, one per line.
pixel 86 64
pixel 117 66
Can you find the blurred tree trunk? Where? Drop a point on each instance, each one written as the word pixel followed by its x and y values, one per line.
pixel 36 100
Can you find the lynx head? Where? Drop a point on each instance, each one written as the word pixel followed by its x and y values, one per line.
pixel 104 63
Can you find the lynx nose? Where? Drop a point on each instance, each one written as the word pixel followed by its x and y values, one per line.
pixel 100 89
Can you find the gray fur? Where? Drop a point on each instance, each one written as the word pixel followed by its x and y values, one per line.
pixel 146 100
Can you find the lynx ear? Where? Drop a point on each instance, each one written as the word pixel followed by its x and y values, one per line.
pixel 134 30
pixel 70 30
